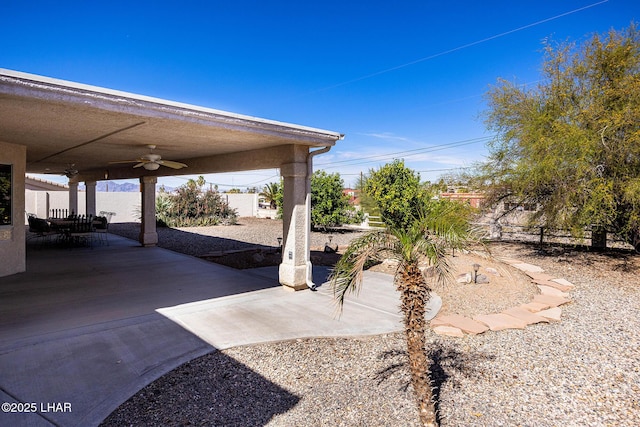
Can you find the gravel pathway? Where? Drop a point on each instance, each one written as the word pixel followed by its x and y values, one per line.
pixel 582 371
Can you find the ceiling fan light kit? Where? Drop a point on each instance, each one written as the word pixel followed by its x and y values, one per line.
pixel 150 166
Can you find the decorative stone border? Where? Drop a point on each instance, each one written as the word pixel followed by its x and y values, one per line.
pixel 544 307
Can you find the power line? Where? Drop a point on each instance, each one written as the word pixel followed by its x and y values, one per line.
pixel 407 153
pixel 446 169
pixel 220 184
pixel 479 139
pixel 423 171
pixel 455 49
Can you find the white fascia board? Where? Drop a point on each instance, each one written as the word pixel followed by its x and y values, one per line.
pixel 111 93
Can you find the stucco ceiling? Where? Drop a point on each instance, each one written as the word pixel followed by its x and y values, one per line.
pixel 63 123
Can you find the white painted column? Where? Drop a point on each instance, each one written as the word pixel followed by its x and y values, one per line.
pixel 90 200
pixel 73 198
pixel 294 269
pixel 148 233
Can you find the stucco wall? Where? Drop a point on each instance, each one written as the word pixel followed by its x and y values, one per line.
pixel 246 204
pixel 12 237
pixel 126 205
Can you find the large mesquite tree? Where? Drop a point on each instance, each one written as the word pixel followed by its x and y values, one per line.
pixel 571 145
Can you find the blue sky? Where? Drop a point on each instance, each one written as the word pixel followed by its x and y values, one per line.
pixel 402 79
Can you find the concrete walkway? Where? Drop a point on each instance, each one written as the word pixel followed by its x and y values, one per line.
pixel 84 329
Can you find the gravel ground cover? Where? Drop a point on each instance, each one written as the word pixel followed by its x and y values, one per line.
pixel 581 371
pixel 248 233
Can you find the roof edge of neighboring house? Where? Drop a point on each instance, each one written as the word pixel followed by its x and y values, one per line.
pixel 37 184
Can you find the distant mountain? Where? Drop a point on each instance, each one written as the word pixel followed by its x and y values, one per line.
pixel 113 187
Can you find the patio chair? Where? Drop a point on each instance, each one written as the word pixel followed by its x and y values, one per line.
pixel 40 228
pixel 101 228
pixel 81 232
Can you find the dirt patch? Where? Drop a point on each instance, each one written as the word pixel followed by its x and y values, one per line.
pixel 507 286
pixel 620 267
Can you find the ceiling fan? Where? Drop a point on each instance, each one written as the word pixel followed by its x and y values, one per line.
pixel 71 171
pixel 153 161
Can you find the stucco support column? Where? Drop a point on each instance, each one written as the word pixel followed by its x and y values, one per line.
pixel 148 233
pixel 90 200
pixel 73 198
pixel 294 269
pixel 47 205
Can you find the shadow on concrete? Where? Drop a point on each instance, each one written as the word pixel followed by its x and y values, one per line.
pixel 214 390
pixel 81 329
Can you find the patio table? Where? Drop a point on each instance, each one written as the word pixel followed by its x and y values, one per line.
pixel 65 228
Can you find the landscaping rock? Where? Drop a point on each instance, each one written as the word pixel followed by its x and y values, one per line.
pixel 548 290
pixel 552 301
pixel 449 331
pixel 535 306
pixel 551 313
pixel 464 323
pixel 500 321
pixel 525 315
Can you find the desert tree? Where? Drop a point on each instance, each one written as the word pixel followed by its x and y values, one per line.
pixel 330 206
pixel 571 144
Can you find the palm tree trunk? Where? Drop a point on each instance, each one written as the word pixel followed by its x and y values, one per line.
pixel 414 297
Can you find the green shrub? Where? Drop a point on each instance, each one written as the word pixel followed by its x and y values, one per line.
pixel 191 206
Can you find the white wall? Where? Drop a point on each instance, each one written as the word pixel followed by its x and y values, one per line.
pixel 245 204
pixel 127 205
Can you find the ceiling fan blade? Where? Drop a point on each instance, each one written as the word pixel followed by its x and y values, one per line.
pixel 140 164
pixel 171 164
pixel 125 161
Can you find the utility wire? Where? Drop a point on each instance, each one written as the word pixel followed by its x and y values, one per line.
pixel 424 171
pixel 455 49
pixel 220 184
pixel 425 149
pixel 403 154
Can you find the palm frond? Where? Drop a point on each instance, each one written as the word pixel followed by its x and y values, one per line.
pixel 347 275
pixel 436 228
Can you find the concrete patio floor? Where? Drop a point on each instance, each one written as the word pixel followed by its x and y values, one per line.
pixel 85 328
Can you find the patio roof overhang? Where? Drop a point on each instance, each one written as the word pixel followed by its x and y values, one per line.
pixel 63 123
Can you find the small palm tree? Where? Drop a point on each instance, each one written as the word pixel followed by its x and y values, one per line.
pixel 432 233
pixel 270 194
